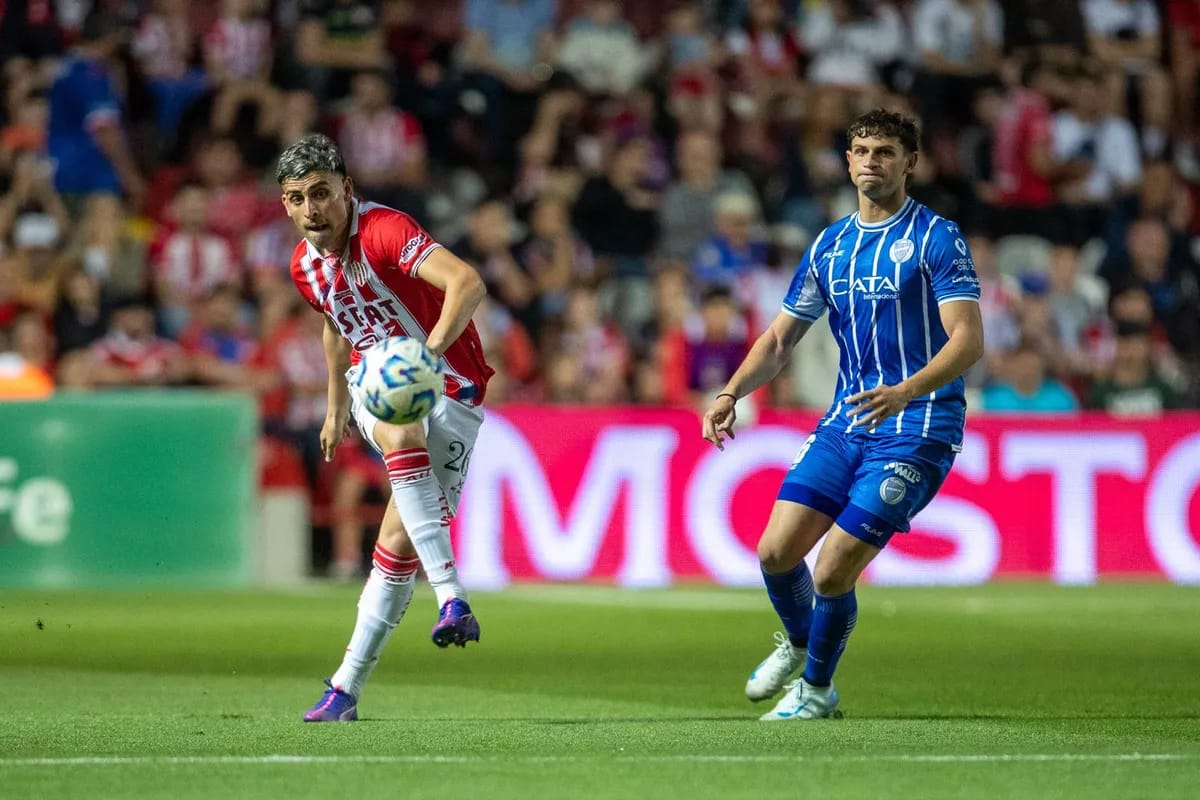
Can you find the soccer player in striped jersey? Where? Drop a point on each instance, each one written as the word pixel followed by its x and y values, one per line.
pixel 375 273
pixel 900 288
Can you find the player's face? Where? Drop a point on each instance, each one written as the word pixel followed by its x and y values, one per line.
pixel 319 206
pixel 878 167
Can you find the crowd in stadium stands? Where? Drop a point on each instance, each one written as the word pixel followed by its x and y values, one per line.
pixel 636 181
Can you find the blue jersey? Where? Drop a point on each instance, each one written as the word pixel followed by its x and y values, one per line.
pixel 882 284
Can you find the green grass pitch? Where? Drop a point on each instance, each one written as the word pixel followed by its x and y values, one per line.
pixel 1005 691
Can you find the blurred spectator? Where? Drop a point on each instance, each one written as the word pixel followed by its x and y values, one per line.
pixel 690 46
pixel 222 349
pixel 86 139
pixel 1025 386
pixel 26 127
pixel 590 361
pixel 716 341
pixel 959 44
pixel 105 245
pixel 219 165
pixel 814 164
pixel 19 379
pixel 489 246
pixel 1126 37
pixel 662 374
pixel 732 252
pixel 31 192
pixel 686 212
pixel 1106 164
pixel 295 352
pixel 554 255
pixel 510 350
pixel 187 259
pixel 999 300
pixel 30 29
pixel 335 39
pixel 33 341
pixel 268 256
pixel 1183 26
pixel 1130 385
pixel 849 42
pixel 384 147
pixel 1052 32
pixel 36 238
pixel 130 354
pixel 1166 272
pixel 10 298
pixel 618 219
pixel 765 55
pixel 166 45
pixel 1074 303
pixel 601 50
pixel 238 58
pixel 81 317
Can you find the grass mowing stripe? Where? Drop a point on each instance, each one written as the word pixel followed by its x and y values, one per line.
pixel 927 758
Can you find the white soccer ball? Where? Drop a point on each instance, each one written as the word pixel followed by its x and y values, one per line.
pixel 398 380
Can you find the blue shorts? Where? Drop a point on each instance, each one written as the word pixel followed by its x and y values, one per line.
pixel 872 486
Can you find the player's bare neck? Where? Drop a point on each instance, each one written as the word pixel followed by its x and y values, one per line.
pixel 873 211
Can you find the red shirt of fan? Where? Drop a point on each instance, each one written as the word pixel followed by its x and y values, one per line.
pixel 1024 124
pixel 372 293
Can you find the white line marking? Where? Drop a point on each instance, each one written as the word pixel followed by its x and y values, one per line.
pixel 949 758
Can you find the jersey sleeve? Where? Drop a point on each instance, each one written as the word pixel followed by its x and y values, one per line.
pixel 398 239
pixel 804 299
pixel 951 268
pixel 303 284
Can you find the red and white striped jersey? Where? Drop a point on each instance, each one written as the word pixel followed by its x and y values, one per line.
pixel 241 46
pixel 379 142
pixel 192 265
pixel 372 292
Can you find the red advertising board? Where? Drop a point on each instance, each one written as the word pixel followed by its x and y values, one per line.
pixel 635 497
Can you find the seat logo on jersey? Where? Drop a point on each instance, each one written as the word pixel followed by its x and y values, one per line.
pixel 902 250
pixel 892 490
pixel 870 287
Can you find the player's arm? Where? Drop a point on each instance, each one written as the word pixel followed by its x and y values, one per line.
pixel 464 291
pixel 337 410
pixel 964 327
pixel 766 359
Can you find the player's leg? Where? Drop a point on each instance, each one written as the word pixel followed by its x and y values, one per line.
pixel 451 430
pixel 418 496
pixel 895 481
pixel 381 607
pixel 812 494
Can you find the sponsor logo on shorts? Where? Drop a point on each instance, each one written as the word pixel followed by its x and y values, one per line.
pixel 878 534
pixel 906 471
pixel 892 490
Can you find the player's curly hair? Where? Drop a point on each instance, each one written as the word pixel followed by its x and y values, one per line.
pixel 315 152
pixel 883 124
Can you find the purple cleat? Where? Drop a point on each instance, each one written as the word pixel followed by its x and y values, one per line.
pixel 456 624
pixel 334 706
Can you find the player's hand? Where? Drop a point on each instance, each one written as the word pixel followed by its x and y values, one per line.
pixel 332 433
pixel 719 419
pixel 873 406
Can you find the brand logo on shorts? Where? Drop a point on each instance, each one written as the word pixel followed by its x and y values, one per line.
pixel 906 471
pixel 892 490
pixel 873 531
pixel 902 250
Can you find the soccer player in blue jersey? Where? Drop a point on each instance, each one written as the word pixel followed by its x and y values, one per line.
pixel 903 301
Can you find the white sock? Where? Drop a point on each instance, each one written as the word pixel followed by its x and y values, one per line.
pixel 384 599
pixel 426 517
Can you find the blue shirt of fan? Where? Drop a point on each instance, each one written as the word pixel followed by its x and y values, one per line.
pixel 882 284
pixel 718 263
pixel 82 98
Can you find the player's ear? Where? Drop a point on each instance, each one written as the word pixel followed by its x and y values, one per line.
pixel 912 162
pixel 348 187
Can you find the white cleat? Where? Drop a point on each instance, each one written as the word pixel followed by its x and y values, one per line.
pixel 773 673
pixel 805 701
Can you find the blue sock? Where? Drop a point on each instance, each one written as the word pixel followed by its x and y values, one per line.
pixel 832 621
pixel 792 595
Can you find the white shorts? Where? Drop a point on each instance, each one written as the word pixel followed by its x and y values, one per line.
pixel 450 432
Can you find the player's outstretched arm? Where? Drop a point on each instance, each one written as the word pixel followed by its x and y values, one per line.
pixel 464 292
pixel 766 358
pixel 964 326
pixel 337 409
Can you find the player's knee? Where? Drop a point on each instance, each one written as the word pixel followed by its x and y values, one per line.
pixel 776 556
pixel 832 578
pixel 391 438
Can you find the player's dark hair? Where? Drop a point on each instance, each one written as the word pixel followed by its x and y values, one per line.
pixel 315 152
pixel 883 124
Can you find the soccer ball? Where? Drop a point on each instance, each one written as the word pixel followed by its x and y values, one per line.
pixel 398 380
